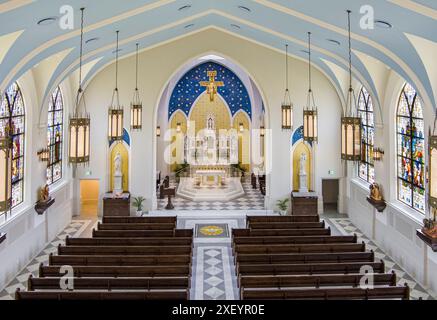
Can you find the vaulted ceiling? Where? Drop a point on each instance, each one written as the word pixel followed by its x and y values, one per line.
pixel 30 33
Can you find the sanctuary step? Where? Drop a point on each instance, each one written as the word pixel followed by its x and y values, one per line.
pixel 188 189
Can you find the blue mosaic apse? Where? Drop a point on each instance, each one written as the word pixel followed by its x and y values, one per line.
pixel 188 89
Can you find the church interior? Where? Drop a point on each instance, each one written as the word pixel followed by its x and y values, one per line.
pixel 218 150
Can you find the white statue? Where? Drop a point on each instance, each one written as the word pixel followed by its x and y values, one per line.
pixel 118 164
pixel 303 185
pixel 118 175
pixel 302 164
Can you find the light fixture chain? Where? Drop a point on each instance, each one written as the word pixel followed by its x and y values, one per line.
pixel 80 90
pixel 136 71
pixel 116 63
pixel 286 67
pixel 309 61
pixel 81 49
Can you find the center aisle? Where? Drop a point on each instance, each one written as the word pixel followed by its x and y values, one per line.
pixel 213 273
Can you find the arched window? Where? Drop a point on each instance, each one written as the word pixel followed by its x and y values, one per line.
pixel 366 169
pixel 55 132
pixel 12 120
pixel 410 159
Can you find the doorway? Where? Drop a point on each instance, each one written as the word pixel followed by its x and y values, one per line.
pixel 330 191
pixel 89 198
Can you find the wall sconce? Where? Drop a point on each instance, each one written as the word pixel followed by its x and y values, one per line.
pixel 43 155
pixel 378 154
pixel 158 131
pixel 178 127
pixel 262 132
pixel 241 127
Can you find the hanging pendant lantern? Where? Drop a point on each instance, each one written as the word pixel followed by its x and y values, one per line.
pixel 158 131
pixel 350 124
pixel 5 174
pixel 115 111
pixel 79 124
pixel 310 114
pixel 136 120
pixel 287 106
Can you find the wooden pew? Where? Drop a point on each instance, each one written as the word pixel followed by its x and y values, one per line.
pixel 136 226
pixel 120 260
pixel 304 258
pixel 181 294
pixel 124 250
pixel 111 283
pixel 182 233
pixel 327 294
pixel 307 268
pixel 295 240
pixel 290 281
pixel 150 219
pixel 258 219
pixel 299 248
pixel 279 232
pixel 129 241
pixel 118 271
pixel 287 225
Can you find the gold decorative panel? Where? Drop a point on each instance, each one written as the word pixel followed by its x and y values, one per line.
pixel 204 108
pixel 243 139
pixel 120 148
pixel 300 148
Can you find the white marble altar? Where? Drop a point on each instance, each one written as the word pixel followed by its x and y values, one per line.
pixel 210 177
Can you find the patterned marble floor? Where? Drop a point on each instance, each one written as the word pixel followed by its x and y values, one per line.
pixel 213 271
pixel 345 226
pixel 75 229
pixel 253 200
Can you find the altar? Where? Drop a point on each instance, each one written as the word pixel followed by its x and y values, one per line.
pixel 210 177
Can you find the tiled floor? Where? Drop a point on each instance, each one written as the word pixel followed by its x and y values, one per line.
pixel 345 226
pixel 75 229
pixel 213 268
pixel 253 200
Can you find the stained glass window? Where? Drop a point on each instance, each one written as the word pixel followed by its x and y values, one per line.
pixel 410 146
pixel 12 120
pixel 366 168
pixel 54 136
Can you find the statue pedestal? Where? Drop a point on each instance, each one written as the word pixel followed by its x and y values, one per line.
pixel 118 184
pixel 303 183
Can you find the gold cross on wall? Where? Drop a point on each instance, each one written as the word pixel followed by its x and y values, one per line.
pixel 212 85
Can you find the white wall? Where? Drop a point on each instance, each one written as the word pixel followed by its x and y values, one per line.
pixel 394 230
pixel 26 232
pixel 160 64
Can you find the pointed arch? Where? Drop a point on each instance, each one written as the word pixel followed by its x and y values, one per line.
pixel 366 169
pixel 13 123
pixel 410 149
pixel 55 134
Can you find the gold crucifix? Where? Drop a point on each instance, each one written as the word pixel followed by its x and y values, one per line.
pixel 212 85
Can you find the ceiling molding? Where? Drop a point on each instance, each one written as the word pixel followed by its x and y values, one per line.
pixel 416 7
pixel 333 81
pixel 76 32
pixel 12 5
pixel 405 67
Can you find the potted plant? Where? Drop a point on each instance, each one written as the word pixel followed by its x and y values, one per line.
pixel 282 206
pixel 138 204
